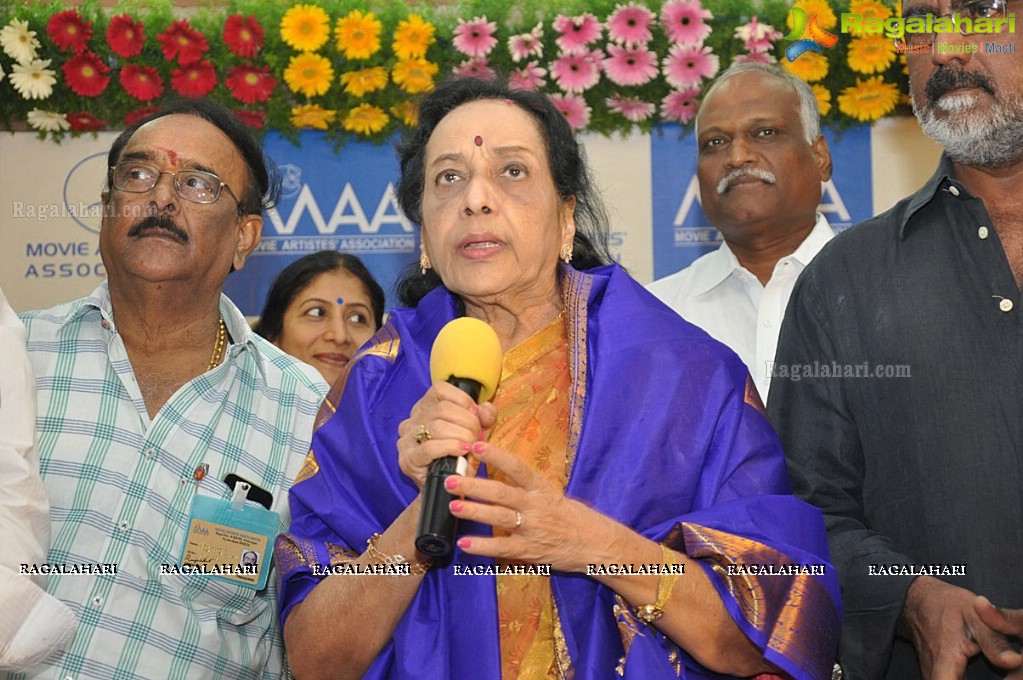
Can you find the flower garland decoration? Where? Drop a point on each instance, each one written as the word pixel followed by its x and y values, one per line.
pixel 356 72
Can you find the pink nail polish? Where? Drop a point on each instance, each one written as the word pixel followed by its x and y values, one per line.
pixel 466 446
pixel 456 506
pixel 464 543
pixel 451 482
pixel 473 410
pixel 479 447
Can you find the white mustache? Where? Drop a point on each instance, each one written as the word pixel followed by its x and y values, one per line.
pixel 730 178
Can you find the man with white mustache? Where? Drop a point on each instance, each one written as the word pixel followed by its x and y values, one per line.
pixel 924 469
pixel 761 163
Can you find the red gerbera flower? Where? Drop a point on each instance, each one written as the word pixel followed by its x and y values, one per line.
pixel 250 84
pixel 254 119
pixel 69 30
pixel 125 36
pixel 243 35
pixel 138 114
pixel 86 74
pixel 194 80
pixel 85 122
pixel 184 42
pixel 142 82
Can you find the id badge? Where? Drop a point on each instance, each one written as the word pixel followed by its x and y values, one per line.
pixel 229 541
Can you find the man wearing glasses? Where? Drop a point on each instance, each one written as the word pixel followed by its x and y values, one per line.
pixel 920 477
pixel 151 391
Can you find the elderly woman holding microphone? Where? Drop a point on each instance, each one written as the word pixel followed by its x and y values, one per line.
pixel 620 437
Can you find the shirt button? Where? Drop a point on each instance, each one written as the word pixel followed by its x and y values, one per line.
pixel 150 453
pixel 953 190
pixel 124 526
pixel 1005 305
pixel 982 232
pixel 97 601
pixel 768 322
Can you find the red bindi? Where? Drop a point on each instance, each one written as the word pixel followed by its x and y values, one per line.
pixel 478 140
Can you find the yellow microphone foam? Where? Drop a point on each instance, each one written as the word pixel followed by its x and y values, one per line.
pixel 467 348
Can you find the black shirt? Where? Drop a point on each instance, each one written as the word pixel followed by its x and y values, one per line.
pixel 920 469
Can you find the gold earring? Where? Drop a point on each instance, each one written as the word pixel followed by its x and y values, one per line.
pixel 424 262
pixel 566 252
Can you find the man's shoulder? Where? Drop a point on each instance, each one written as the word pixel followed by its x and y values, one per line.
pixel 862 249
pixel 46 322
pixel 284 369
pixel 675 287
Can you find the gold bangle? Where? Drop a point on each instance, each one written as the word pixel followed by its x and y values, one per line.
pixel 377 557
pixel 648 613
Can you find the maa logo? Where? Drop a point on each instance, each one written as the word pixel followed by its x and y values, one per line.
pixel 347 211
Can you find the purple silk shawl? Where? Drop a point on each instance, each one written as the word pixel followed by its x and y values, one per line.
pixel 666 435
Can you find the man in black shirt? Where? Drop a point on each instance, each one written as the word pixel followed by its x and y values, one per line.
pixel 898 385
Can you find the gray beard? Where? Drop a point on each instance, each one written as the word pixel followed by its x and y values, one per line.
pixel 990 140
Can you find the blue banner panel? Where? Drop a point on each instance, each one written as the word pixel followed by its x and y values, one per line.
pixel 331 200
pixel 682 232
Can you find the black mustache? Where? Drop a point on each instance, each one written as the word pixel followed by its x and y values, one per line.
pixel 158 222
pixel 945 79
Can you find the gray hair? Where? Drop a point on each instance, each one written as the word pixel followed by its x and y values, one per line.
pixel 809 113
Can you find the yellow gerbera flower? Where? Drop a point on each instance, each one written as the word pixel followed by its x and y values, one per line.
pixel 823 95
pixel 826 18
pixel 309 74
pixel 412 37
pixel 358 35
pixel 407 112
pixel 365 119
pixel 868 9
pixel 414 75
pixel 809 66
pixel 358 83
pixel 305 27
pixel 869 99
pixel 312 116
pixel 871 53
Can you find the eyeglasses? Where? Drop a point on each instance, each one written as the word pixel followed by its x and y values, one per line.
pixel 968 9
pixel 197 186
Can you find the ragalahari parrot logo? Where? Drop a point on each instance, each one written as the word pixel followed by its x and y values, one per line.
pixel 807 36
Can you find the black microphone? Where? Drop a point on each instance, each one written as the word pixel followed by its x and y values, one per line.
pixel 466 354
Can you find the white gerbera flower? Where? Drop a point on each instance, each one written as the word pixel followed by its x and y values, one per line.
pixel 18 42
pixel 48 121
pixel 33 80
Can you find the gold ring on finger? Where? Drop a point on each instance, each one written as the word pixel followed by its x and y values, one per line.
pixel 422 435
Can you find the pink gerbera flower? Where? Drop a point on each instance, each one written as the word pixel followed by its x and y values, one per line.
pixel 573 108
pixel 633 108
pixel 576 33
pixel 525 45
pixel 530 77
pixel 630 65
pixel 630 24
pixel 577 72
pixel 686 65
pixel 758 37
pixel 684 21
pixel 680 105
pixel 475 38
pixel 475 68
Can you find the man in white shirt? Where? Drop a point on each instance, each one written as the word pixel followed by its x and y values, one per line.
pixel 761 162
pixel 34 624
